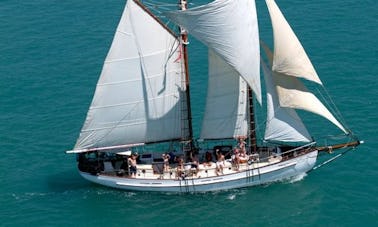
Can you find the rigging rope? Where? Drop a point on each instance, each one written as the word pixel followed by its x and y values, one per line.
pixel 331 104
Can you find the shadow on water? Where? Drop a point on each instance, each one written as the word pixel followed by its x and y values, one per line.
pixel 67 181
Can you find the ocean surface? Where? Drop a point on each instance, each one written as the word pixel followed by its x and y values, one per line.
pixel 51 54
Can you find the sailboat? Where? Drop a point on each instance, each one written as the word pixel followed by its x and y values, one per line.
pixel 138 133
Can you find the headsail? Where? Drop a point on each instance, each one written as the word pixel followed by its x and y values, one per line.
pixel 293 93
pixel 290 61
pixel 289 56
pixel 282 124
pixel 230 29
pixel 226 104
pixel 138 95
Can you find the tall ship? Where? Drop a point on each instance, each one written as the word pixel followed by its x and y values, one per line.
pixel 138 133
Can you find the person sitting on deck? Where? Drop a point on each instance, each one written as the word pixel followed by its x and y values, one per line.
pixel 236 158
pixel 180 171
pixel 133 164
pixel 220 162
pixel 208 159
pixel 194 164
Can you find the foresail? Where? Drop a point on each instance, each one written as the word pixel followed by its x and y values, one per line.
pixel 293 93
pixel 282 124
pixel 289 56
pixel 225 113
pixel 138 95
pixel 230 29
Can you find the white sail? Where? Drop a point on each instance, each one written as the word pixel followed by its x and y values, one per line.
pixel 230 29
pixel 138 95
pixel 226 104
pixel 289 56
pixel 293 93
pixel 282 124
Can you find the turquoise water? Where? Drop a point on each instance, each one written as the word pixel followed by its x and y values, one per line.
pixel 51 54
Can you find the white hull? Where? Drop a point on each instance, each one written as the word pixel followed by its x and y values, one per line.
pixel 247 177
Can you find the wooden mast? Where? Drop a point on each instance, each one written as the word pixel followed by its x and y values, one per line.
pixel 184 43
pixel 252 125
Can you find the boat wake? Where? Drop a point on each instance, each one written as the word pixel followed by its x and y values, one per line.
pixel 296 178
pixel 236 192
pixel 231 197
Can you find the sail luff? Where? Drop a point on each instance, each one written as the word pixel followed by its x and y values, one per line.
pixel 252 121
pixel 184 41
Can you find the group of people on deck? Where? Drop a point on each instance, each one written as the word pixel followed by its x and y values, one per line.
pixel 239 156
pixel 192 165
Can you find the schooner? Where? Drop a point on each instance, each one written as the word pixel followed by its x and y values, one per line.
pixel 142 103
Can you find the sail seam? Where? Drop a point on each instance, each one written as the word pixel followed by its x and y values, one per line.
pixel 130 103
pixel 125 33
pixel 118 126
pixel 112 126
pixel 136 80
pixel 139 56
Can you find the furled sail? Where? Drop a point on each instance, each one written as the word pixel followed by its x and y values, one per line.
pixel 289 56
pixel 138 95
pixel 293 93
pixel 230 29
pixel 226 104
pixel 282 124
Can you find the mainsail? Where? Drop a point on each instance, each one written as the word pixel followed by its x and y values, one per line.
pixel 226 104
pixel 230 29
pixel 140 91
